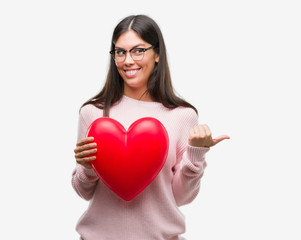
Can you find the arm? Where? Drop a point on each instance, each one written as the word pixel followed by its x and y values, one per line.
pixel 84 179
pixel 190 164
pixel 188 174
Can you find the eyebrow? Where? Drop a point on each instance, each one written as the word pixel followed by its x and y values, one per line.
pixel 140 44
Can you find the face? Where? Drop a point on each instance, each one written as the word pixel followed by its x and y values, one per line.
pixel 135 73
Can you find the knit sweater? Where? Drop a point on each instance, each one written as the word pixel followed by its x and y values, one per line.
pixel 154 213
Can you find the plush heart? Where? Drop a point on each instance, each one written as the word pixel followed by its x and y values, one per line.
pixel 127 161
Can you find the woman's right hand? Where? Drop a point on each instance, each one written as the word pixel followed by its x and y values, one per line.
pixel 83 150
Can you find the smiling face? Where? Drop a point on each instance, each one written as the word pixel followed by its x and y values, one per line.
pixel 135 74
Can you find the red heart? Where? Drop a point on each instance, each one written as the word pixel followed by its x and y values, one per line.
pixel 128 161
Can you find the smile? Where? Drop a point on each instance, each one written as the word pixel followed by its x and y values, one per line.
pixel 131 73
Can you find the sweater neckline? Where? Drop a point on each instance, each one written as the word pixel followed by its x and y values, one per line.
pixel 132 100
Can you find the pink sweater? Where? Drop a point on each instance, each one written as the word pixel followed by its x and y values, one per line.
pixel 153 214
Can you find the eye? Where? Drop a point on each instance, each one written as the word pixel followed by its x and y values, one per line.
pixel 120 52
pixel 137 51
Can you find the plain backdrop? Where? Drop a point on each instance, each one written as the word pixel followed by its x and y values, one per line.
pixel 237 61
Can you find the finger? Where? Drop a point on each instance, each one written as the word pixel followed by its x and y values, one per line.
pixel 219 139
pixel 85 160
pixel 206 136
pixel 207 130
pixel 202 131
pixel 85 147
pixel 85 141
pixel 85 153
pixel 194 136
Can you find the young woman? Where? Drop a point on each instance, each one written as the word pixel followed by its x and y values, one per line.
pixel 139 85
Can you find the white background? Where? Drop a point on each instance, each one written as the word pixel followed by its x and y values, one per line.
pixel 237 61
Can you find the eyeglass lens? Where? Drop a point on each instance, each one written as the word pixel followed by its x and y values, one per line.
pixel 136 54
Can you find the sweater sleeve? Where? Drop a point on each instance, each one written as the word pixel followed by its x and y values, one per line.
pixel 84 180
pixel 190 164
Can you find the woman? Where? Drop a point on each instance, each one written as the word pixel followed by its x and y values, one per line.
pixel 139 85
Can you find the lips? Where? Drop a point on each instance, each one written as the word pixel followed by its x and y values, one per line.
pixel 131 72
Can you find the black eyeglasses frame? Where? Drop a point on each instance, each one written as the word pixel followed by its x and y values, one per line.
pixel 142 49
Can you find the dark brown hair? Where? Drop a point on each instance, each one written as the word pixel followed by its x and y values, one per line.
pixel 159 84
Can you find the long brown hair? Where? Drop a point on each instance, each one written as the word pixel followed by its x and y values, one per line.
pixel 159 84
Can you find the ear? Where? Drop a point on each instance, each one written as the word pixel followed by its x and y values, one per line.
pixel 157 58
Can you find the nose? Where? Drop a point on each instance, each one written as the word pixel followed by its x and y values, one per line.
pixel 128 58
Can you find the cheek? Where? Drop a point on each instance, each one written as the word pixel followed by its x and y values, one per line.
pixel 120 71
pixel 149 67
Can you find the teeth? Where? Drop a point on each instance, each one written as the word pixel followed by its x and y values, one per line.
pixel 131 72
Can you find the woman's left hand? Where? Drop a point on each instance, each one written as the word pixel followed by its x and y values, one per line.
pixel 200 136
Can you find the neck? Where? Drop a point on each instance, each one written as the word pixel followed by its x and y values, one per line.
pixel 138 95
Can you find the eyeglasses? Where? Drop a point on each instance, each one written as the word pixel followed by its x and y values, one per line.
pixel 137 54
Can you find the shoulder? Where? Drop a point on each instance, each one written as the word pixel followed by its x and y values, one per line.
pixel 87 109
pixel 89 113
pixel 184 117
pixel 185 113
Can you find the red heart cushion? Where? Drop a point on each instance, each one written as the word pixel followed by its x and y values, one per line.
pixel 128 161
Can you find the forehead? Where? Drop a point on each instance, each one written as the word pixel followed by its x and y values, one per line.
pixel 130 39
